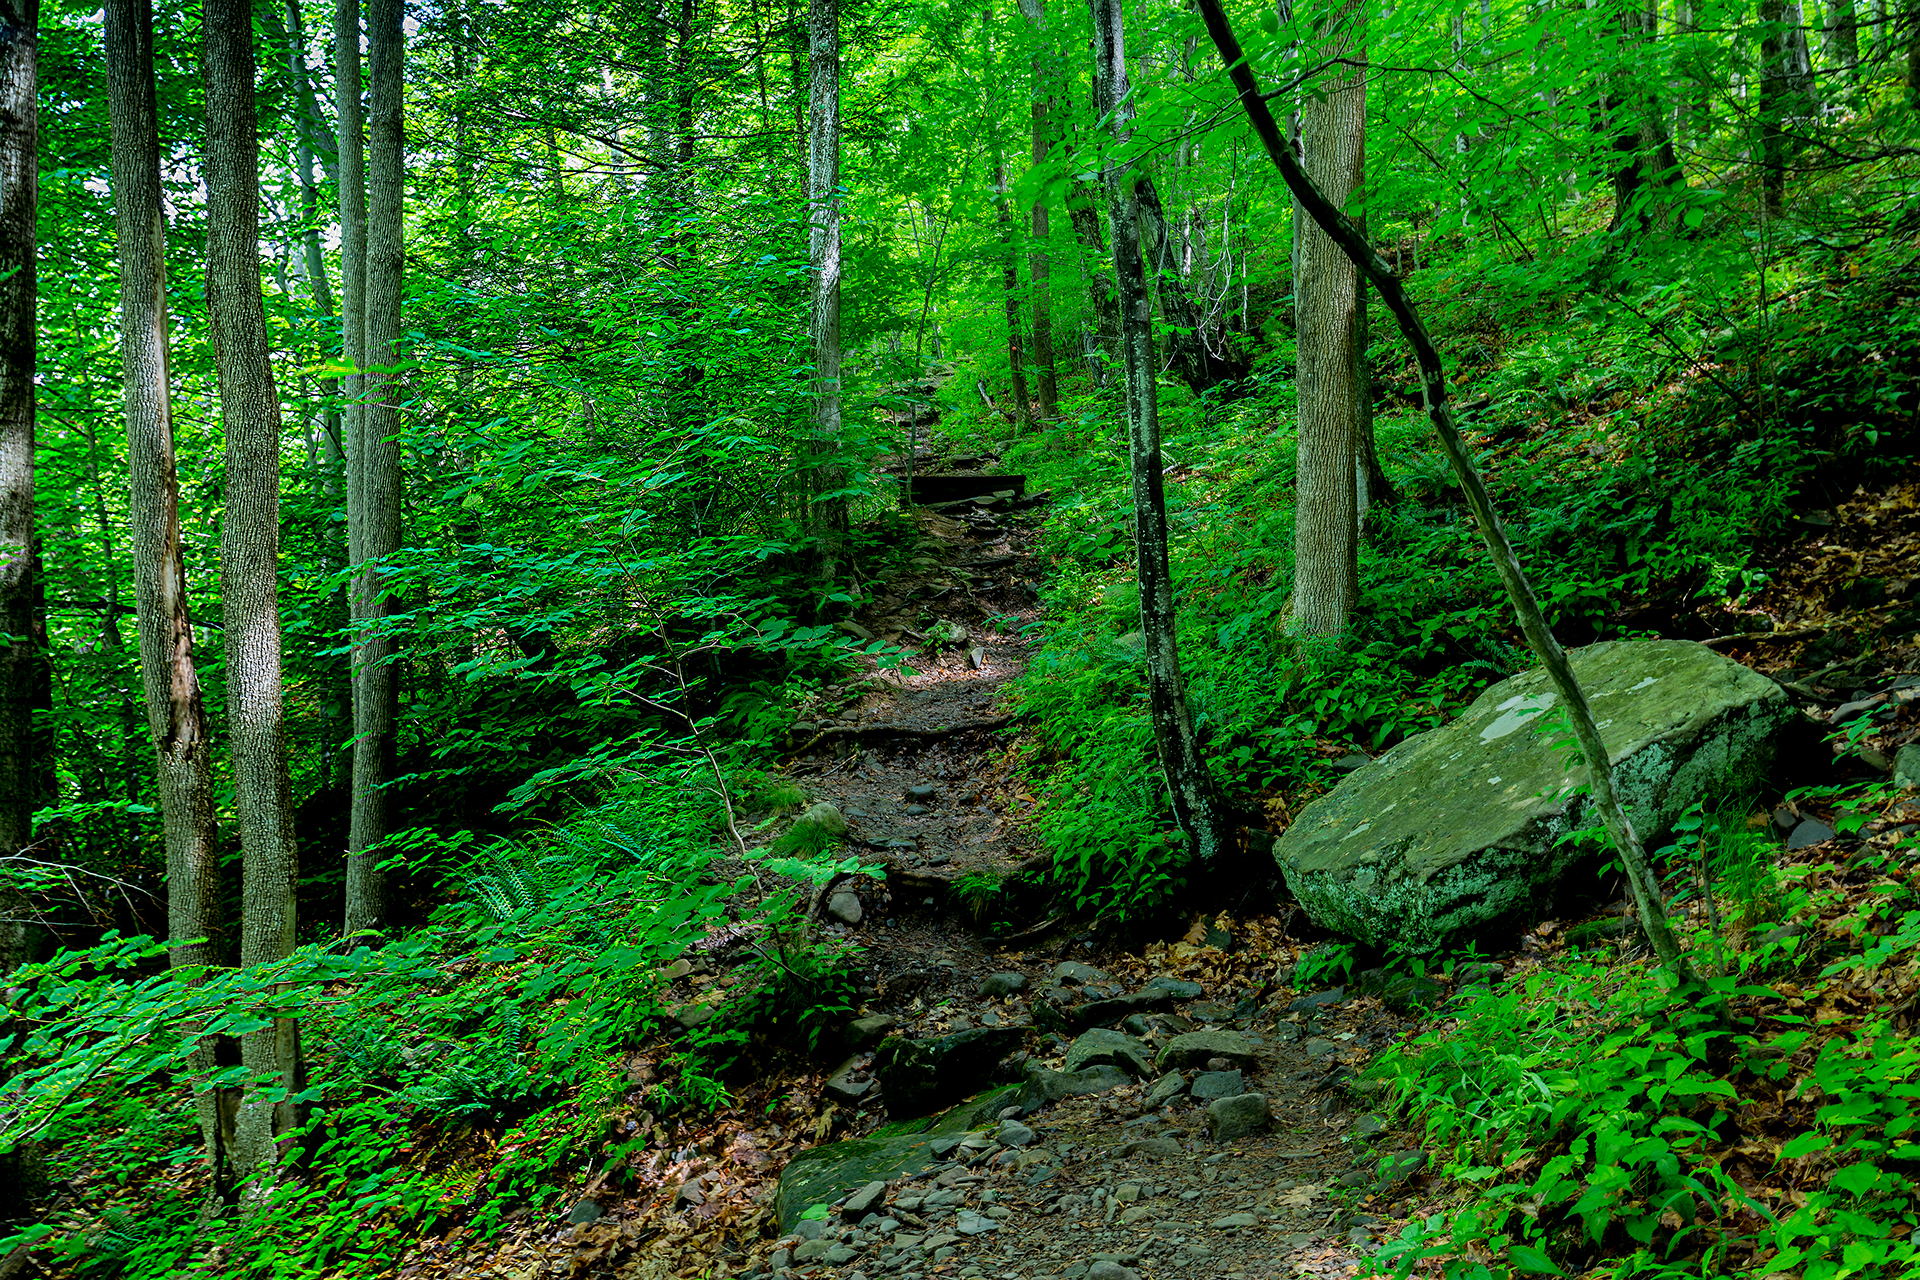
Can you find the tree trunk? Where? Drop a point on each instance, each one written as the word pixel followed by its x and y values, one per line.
pixel 249 571
pixel 375 672
pixel 1652 909
pixel 1196 356
pixel 1195 803
pixel 26 671
pixel 176 716
pixel 1840 37
pixel 350 162
pixel 1039 265
pixel 1010 292
pixel 1773 108
pixel 1643 152
pixel 828 512
pixel 1333 395
pixel 1102 351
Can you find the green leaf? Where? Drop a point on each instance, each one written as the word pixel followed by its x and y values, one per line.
pixel 816 1211
pixel 1804 1145
pixel 1525 1257
pixel 1855 1178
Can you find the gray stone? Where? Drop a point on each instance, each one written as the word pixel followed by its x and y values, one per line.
pixel 919 1076
pixel 864 1199
pixel 1227 1222
pixel 1369 1127
pixel 1219 1084
pixel 1165 1090
pixel 998 986
pixel 841 1086
pixel 1475 973
pixel 840 1255
pixel 1319 1000
pixel 1073 973
pixel 1809 831
pixel 922 791
pixel 1105 1270
pixel 824 817
pixel 1112 1048
pixel 1460 827
pixel 1176 988
pixel 1193 1048
pixel 1012 1133
pixel 1104 1013
pixel 1232 1118
pixel 969 1223
pixel 1410 994
pixel 864 1033
pixel 1906 766
pixel 1161 1148
pixel 821 1175
pixel 1044 1086
pixel 808 1228
pixel 844 906
pixel 811 1249
pixel 585 1211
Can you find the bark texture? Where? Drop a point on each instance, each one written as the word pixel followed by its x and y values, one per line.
pixel 1010 293
pixel 1648 900
pixel 375 473
pixel 1333 395
pixel 249 562
pixel 1039 264
pixel 1103 343
pixel 26 672
pixel 176 714
pixel 827 514
pixel 1195 804
pixel 1643 150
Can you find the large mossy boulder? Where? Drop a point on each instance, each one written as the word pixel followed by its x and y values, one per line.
pixel 1461 828
pixel 821 1175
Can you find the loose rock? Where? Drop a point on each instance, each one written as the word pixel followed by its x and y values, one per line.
pixel 844 906
pixel 1232 1118
pixel 1219 1084
pixel 998 986
pixel 1193 1048
pixel 1111 1048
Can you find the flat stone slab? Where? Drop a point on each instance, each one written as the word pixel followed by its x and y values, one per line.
pixel 1109 1048
pixel 1461 827
pixel 821 1175
pixel 1194 1048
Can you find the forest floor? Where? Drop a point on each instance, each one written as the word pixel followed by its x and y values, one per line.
pixel 1105 1186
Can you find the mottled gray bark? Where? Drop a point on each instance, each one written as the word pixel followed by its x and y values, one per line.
pixel 375 473
pixel 1196 806
pixel 176 714
pixel 1333 394
pixel 1540 638
pixel 26 672
pixel 827 514
pixel 249 571
pixel 1102 350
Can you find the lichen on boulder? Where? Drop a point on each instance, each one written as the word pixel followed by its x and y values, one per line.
pixel 1463 827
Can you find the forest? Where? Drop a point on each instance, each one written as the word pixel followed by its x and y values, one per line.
pixel 803 638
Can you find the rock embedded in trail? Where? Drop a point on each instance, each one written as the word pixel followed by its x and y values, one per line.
pixel 1109 1048
pixel 997 986
pixel 1194 1048
pixel 1165 1090
pixel 1232 1118
pixel 1176 988
pixel 1218 1084
pixel 844 906
pixel 1073 973
pixel 1460 828
pixel 920 1076
pixel 1045 1085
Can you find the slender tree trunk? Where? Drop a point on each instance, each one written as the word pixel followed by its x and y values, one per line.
pixel 1773 108
pixel 1195 804
pixel 1039 265
pixel 1643 151
pixel 26 669
pixel 249 570
pixel 1840 37
pixel 375 672
pixel 1196 355
pixel 176 715
pixel 1647 896
pixel 828 515
pixel 1102 352
pixel 350 161
pixel 1333 395
pixel 1010 293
